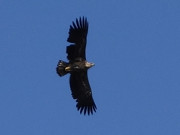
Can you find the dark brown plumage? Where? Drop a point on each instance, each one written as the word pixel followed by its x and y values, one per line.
pixel 78 66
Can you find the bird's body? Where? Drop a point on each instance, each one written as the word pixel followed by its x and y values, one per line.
pixel 78 67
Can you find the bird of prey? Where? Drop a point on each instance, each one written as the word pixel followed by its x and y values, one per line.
pixel 77 66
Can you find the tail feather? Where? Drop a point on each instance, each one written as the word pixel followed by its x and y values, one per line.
pixel 60 69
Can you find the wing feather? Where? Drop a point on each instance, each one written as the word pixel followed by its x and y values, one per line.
pixel 81 91
pixel 78 35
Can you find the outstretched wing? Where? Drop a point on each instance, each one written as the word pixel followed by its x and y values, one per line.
pixel 77 35
pixel 81 91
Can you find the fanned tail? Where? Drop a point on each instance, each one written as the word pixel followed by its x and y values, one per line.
pixel 60 69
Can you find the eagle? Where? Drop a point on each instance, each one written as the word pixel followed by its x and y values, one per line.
pixel 78 66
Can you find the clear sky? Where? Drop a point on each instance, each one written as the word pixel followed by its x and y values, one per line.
pixel 135 45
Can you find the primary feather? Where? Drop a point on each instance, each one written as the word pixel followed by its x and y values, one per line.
pixel 78 36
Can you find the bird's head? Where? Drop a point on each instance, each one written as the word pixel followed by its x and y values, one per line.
pixel 89 64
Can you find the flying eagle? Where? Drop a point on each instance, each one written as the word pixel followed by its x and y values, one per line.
pixel 78 66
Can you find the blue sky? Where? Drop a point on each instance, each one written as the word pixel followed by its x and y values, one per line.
pixel 135 45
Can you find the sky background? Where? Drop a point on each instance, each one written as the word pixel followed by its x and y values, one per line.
pixel 135 45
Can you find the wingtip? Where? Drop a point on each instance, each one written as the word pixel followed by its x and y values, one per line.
pixel 78 30
pixel 89 110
